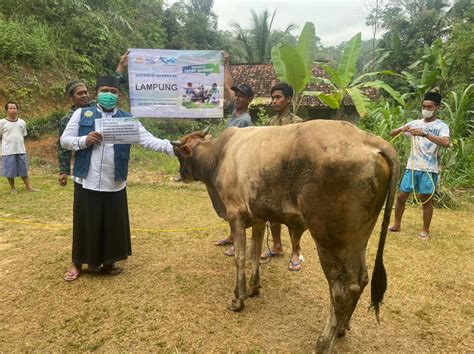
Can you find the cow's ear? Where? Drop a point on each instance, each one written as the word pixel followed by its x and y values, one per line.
pixel 186 150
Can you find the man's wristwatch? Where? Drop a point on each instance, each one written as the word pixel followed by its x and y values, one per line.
pixel 424 135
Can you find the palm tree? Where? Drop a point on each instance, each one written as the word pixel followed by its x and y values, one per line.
pixel 256 40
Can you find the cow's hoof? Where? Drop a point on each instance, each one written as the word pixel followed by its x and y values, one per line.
pixel 254 292
pixel 341 333
pixel 236 305
pixel 323 345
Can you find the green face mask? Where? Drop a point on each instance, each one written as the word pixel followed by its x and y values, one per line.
pixel 107 100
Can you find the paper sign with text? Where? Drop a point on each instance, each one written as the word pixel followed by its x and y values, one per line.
pixel 118 130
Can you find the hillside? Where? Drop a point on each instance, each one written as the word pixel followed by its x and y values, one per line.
pixel 39 92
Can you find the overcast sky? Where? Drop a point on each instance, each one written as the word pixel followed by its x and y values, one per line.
pixel 335 21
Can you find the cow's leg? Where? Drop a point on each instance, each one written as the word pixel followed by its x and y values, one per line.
pixel 240 292
pixel 295 237
pixel 342 270
pixel 363 279
pixel 258 231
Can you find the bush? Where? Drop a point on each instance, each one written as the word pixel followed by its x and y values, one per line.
pixel 25 41
pixel 44 125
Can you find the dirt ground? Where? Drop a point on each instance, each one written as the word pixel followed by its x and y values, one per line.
pixel 175 288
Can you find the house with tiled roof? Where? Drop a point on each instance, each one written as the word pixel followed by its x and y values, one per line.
pixel 262 77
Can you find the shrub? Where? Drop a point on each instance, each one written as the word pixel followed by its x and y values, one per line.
pixel 25 41
pixel 44 125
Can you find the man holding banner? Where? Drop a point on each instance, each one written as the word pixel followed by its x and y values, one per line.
pixel 238 97
pixel 101 229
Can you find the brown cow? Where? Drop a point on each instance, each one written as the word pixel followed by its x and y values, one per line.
pixel 325 176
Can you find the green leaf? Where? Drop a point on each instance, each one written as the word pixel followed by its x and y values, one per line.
pixel 384 86
pixel 431 78
pixel 347 66
pixel 278 64
pixel 332 73
pixel 331 100
pixel 323 80
pixel 294 67
pixel 360 100
pixel 305 46
pixel 411 79
pixel 396 43
pixel 385 72
pixel 415 64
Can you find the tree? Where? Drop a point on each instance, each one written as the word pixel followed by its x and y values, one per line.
pixel 458 50
pixel 343 84
pixel 410 24
pixel 293 64
pixel 257 41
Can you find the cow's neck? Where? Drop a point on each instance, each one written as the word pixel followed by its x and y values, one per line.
pixel 204 162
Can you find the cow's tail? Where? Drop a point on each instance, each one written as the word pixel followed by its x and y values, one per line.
pixel 379 277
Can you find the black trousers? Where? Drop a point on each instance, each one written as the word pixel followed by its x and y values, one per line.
pixel 101 227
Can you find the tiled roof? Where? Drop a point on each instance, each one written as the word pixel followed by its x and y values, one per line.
pixel 262 77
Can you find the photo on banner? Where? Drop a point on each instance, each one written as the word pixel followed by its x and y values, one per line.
pixel 176 83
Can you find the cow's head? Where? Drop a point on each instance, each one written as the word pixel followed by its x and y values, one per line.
pixel 184 150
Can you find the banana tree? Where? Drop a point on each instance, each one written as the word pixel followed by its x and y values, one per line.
pixel 293 64
pixel 433 69
pixel 342 83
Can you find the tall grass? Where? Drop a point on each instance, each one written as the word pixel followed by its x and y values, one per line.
pixel 458 161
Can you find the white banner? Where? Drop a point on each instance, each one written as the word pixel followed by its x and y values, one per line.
pixel 176 83
pixel 118 130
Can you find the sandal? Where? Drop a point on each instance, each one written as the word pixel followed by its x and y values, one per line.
pixel 72 273
pixel 294 266
pixel 269 254
pixel 230 252
pixel 424 236
pixel 223 242
pixel 112 269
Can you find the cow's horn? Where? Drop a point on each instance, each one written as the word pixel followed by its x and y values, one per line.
pixel 177 143
pixel 205 131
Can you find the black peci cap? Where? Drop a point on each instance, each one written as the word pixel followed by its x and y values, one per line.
pixel 244 88
pixel 107 81
pixel 433 96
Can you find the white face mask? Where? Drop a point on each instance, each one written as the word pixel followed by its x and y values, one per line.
pixel 426 114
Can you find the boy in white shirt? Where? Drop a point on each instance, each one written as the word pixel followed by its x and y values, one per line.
pixel 421 174
pixel 12 133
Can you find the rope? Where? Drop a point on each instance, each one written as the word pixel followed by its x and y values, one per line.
pixel 63 226
pixel 417 201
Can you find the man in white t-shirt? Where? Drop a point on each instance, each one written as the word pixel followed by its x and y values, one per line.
pixel 421 175
pixel 12 133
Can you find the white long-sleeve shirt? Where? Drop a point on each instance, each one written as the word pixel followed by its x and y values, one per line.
pixel 101 175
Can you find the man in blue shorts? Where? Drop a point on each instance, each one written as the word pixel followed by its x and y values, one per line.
pixel 421 175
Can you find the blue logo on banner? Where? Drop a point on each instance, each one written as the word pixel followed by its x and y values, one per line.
pixel 168 60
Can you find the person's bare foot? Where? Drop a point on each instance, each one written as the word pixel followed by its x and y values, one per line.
pixel 394 228
pixel 73 273
pixel 424 235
